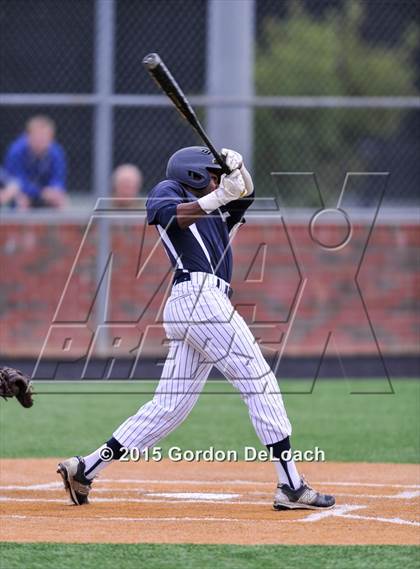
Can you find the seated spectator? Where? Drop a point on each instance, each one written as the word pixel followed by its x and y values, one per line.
pixel 38 163
pixel 10 194
pixel 127 181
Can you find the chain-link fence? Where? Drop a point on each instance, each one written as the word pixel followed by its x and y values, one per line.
pixel 335 85
pixel 46 46
pixel 175 29
pixel 336 48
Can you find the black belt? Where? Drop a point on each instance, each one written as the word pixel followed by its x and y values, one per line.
pixel 184 277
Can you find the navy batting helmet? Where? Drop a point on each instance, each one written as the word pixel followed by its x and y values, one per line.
pixel 191 166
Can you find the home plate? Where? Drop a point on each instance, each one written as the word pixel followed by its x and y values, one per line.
pixel 194 495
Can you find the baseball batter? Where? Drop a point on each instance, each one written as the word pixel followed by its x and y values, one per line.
pixel 196 210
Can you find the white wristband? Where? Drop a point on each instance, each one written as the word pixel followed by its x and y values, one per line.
pixel 210 202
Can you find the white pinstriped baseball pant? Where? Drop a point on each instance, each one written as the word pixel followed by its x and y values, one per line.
pixel 204 330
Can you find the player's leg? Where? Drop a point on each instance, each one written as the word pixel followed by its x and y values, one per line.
pixel 228 343
pixel 183 377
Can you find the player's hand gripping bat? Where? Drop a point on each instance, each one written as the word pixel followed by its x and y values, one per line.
pixel 167 83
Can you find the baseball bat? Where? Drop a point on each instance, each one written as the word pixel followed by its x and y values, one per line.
pixel 164 78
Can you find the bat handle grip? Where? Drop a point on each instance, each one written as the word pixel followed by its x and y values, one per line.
pixel 224 166
pixel 217 157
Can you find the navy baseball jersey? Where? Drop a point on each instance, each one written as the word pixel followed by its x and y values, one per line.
pixel 204 245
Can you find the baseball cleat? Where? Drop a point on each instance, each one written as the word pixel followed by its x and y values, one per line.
pixel 72 471
pixel 304 498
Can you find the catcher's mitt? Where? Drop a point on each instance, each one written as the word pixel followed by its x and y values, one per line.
pixel 13 383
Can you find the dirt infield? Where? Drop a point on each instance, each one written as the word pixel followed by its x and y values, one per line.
pixel 210 503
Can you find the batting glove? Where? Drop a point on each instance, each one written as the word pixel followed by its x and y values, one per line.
pixel 232 159
pixel 235 160
pixel 232 187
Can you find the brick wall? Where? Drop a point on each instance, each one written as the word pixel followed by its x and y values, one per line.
pixel 294 293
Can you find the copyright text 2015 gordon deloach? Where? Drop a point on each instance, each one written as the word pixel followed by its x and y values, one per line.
pixel 212 454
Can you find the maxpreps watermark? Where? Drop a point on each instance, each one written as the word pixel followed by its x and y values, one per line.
pixel 212 454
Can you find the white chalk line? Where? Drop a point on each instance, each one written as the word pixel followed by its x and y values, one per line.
pixel 398 521
pixel 194 496
pixel 207 496
pixel 310 517
pixel 185 519
pixel 366 484
pixel 341 511
pixel 53 486
pixel 30 487
pixel 139 501
pixel 42 487
pixel 137 481
pixel 216 498
pixel 408 495
pixel 400 496
pixel 338 511
pixel 249 482
pixel 146 519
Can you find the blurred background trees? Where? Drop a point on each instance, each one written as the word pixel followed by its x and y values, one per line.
pixel 326 53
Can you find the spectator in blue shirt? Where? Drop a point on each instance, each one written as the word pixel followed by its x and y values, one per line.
pixel 38 163
pixel 10 194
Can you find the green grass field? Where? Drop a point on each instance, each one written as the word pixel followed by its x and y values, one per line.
pixel 155 556
pixel 348 427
